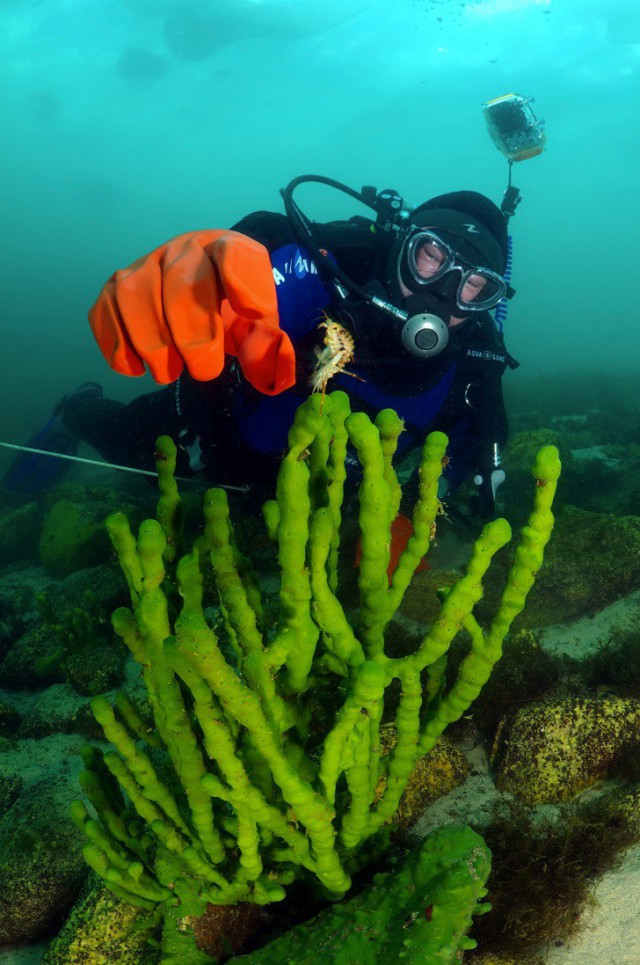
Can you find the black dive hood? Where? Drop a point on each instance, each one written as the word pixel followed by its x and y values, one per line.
pixel 418 322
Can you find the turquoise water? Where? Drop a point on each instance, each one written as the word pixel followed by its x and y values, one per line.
pixel 126 123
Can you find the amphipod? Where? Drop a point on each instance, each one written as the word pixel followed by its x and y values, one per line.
pixel 337 353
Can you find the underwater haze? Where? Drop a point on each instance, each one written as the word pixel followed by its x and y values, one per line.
pixel 128 121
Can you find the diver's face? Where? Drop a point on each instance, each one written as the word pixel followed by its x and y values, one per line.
pixel 429 261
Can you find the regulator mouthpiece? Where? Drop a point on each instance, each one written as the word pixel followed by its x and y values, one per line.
pixel 425 335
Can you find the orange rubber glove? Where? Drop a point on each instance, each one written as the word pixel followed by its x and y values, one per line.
pixel 191 301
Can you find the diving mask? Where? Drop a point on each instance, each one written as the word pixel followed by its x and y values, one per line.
pixel 429 258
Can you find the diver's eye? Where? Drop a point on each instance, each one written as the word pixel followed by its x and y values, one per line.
pixel 430 251
pixel 476 282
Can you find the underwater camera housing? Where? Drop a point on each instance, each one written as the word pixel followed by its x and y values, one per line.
pixel 513 126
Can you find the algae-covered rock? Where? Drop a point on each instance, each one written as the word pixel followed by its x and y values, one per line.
pixel 71 539
pixel 549 752
pixel 18 670
pixel 59 710
pixel 10 787
pixel 434 775
pixel 87 653
pixel 46 654
pixel 41 866
pixel 101 931
pixel 17 608
pixel 104 582
pixel 101 501
pixel 93 670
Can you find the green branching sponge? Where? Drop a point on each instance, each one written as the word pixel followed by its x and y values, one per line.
pixel 233 795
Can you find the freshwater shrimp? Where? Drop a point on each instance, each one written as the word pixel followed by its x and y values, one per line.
pixel 331 360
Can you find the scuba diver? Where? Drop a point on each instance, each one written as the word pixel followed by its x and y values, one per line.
pixel 232 323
